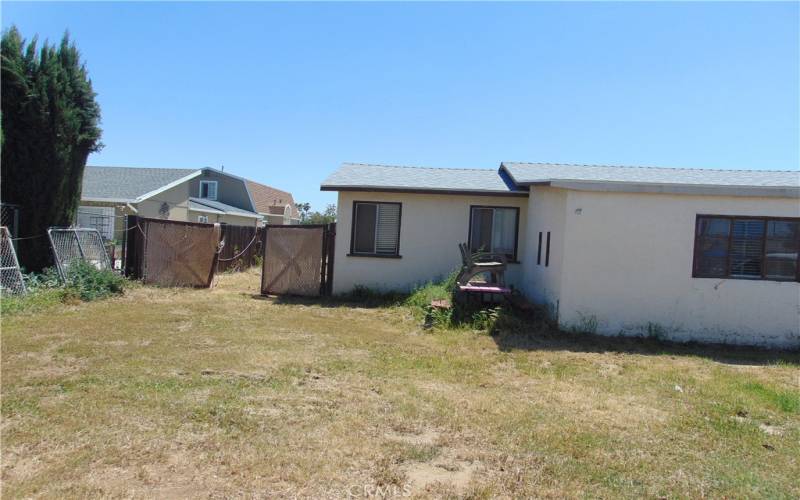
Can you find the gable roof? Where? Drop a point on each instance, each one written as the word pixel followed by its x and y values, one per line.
pixel 126 184
pixel 266 198
pixel 368 177
pixel 656 179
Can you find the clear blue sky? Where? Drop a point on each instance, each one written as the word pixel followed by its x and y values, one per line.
pixel 283 93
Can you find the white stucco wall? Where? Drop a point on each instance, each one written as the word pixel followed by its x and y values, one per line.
pixel 432 226
pixel 546 213
pixel 627 265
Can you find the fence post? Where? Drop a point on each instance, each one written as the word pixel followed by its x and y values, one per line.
pixel 330 237
pixel 130 264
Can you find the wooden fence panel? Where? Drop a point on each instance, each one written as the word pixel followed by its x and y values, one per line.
pixel 242 248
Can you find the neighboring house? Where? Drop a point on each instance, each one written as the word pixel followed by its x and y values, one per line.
pixel 194 195
pixel 276 206
pixel 681 254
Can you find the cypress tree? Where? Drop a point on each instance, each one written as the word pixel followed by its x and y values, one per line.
pixel 49 127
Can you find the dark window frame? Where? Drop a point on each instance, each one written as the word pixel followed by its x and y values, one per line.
pixel 353 253
pixel 732 218
pixel 515 257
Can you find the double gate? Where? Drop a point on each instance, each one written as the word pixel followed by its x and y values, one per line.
pixel 298 260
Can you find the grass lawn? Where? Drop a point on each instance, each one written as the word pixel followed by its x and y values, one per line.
pixel 186 393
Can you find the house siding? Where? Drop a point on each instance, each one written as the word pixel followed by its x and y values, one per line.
pixel 627 269
pixel 542 279
pixel 230 191
pixel 431 227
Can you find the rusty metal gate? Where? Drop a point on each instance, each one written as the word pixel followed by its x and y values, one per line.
pixel 298 260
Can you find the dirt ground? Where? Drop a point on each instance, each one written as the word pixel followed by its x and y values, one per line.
pixel 218 393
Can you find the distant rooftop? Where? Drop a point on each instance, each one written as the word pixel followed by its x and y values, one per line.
pixel 213 206
pixel 268 199
pixel 367 177
pixel 127 183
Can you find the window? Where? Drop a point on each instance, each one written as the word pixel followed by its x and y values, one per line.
pixel 202 218
pixel 208 189
pixel 746 248
pixel 376 229
pixel 494 230
pixel 100 218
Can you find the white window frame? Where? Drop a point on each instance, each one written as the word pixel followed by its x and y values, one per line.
pixel 209 197
pixel 202 218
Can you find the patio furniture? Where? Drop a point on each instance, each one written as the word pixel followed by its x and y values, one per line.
pixel 482 263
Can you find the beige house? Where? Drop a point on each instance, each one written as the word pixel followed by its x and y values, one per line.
pixel 680 254
pixel 194 195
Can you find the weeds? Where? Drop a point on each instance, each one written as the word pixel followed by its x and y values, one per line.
pixel 83 282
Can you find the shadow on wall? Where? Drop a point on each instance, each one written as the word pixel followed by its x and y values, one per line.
pixel 540 336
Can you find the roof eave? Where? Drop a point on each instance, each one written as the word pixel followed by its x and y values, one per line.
pixel 171 185
pixel 409 190
pixel 670 188
pixel 96 199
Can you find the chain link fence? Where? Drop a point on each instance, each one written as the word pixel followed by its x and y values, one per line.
pixel 75 244
pixel 11 281
pixel 9 217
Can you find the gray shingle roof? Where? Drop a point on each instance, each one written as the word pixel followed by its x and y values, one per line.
pixel 127 183
pixel 205 204
pixel 365 177
pixel 532 173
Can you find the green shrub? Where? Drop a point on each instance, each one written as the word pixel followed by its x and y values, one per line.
pixel 91 283
pixel 83 282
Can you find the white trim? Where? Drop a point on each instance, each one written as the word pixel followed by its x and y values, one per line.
pixel 238 214
pixel 669 188
pixel 132 208
pixel 108 200
pixel 207 211
pixel 169 186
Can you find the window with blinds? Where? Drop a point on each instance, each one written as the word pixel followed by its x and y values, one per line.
pixel 747 248
pixel 376 229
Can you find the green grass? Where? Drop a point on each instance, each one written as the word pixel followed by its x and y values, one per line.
pixel 182 393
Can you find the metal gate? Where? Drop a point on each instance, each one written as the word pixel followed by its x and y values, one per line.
pixel 11 281
pixel 75 244
pixel 298 260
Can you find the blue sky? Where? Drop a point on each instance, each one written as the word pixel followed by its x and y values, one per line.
pixel 283 93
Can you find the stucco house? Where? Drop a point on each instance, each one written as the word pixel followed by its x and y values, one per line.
pixel 680 254
pixel 194 195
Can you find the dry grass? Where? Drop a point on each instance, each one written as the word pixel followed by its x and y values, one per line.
pixel 187 393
